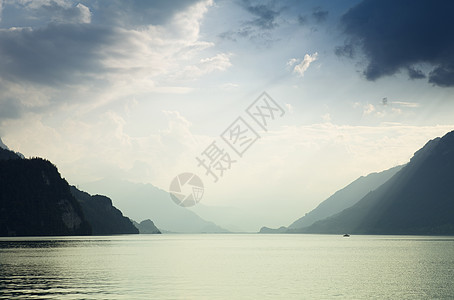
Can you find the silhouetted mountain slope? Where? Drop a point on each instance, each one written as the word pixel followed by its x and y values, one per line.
pixel 146 227
pixel 103 217
pixel 345 197
pixel 419 199
pixel 35 200
pixel 2 145
pixel 6 154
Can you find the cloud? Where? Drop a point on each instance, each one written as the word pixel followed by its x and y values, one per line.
pixel 406 104
pixel 136 13
pixel 130 14
pixel 415 73
pixel 320 15
pixel 386 109
pixel 368 109
pixel 266 15
pixel 258 29
pixel 10 109
pixel 326 118
pixel 56 63
pixel 302 20
pixel 229 86
pixel 1 9
pixel 301 68
pixel 28 13
pixel 443 75
pixel 75 146
pixel 347 50
pixel 63 12
pixel 397 35
pixel 291 62
pixel 54 54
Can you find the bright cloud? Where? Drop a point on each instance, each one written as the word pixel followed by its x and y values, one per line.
pixel 302 67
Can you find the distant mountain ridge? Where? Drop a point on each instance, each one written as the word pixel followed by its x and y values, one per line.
pixel 345 197
pixel 339 201
pixel 145 201
pixel 147 227
pixel 419 199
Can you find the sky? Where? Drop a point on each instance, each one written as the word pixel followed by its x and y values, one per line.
pixel 138 90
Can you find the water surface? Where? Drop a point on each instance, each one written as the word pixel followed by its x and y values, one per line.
pixel 227 266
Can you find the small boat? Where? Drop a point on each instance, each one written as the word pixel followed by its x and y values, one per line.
pixel 346 235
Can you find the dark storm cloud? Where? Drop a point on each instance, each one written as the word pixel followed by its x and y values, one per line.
pixel 60 50
pixel 415 74
pixel 442 76
pixel 64 44
pixel 397 35
pixel 57 53
pixel 346 50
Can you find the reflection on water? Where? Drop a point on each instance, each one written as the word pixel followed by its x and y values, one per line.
pixel 226 266
pixel 49 268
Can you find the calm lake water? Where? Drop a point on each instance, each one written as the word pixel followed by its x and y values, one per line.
pixel 242 266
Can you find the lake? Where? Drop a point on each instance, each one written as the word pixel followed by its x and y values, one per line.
pixel 227 266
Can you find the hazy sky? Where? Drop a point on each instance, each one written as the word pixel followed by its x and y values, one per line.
pixel 138 89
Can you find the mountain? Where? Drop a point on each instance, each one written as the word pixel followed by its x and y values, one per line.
pixel 281 229
pixel 419 199
pixel 36 200
pixel 6 154
pixel 234 219
pixel 104 218
pixel 3 146
pixel 145 201
pixel 345 197
pixel 16 154
pixel 147 227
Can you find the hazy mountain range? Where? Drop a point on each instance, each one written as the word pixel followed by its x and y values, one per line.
pixel 21 195
pixel 340 200
pixel 345 197
pixel 145 201
pixel 417 199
